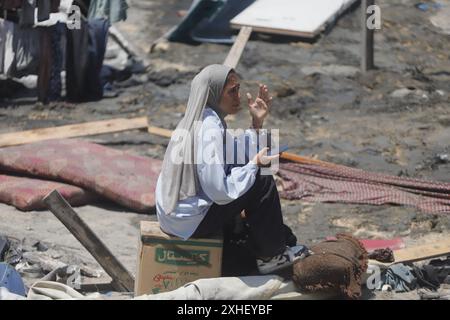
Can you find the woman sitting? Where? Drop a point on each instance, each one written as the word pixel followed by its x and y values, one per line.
pixel 200 190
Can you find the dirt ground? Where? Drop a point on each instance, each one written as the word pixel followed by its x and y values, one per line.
pixel 395 119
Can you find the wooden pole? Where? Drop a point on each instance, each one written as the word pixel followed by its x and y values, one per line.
pixel 122 279
pixel 367 59
pixel 305 160
pixel 166 133
pixel 238 47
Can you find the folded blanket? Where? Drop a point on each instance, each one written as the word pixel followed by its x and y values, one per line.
pixel 126 179
pixel 27 193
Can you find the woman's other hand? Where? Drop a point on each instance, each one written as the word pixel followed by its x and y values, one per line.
pixel 261 159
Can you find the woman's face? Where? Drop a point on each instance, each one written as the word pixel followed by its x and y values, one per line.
pixel 230 102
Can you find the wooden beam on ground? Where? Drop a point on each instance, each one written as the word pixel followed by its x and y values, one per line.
pixel 423 252
pixel 305 160
pixel 160 132
pixel 236 50
pixel 367 60
pixel 72 131
pixel 122 278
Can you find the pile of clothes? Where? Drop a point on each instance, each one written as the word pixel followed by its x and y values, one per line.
pixel 407 277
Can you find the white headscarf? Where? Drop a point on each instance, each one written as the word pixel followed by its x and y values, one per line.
pixel 179 180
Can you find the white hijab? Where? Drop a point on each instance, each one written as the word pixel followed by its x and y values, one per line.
pixel 179 180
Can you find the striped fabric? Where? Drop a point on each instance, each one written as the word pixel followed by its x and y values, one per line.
pixel 337 183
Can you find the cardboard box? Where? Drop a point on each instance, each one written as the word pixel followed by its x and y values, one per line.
pixel 166 263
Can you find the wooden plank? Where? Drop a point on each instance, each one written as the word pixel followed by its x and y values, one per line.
pixel 417 253
pixel 236 50
pixel 299 159
pixel 367 59
pixel 160 132
pixel 123 280
pixel 71 131
pixel 291 17
pixel 423 252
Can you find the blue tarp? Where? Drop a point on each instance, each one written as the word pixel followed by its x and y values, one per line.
pixel 11 279
pixel 208 21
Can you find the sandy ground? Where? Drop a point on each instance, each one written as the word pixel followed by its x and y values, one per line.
pixel 395 119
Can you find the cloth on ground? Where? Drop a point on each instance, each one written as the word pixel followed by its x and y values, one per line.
pixel 126 179
pixel 111 10
pixel 234 288
pixel 336 266
pixel 312 182
pixel 433 274
pixel 225 288
pixel 399 277
pixel 27 194
pixel 5 294
pixel 49 290
pixel 11 279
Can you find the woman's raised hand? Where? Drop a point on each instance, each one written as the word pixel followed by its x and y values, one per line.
pixel 259 108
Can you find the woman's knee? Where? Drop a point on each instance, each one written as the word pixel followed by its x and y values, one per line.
pixel 265 182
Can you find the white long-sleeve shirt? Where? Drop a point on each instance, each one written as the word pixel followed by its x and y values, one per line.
pixel 221 180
